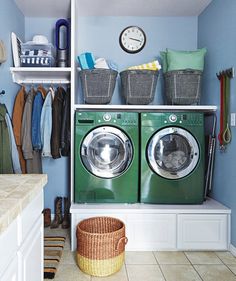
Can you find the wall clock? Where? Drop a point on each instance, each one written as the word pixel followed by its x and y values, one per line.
pixel 132 39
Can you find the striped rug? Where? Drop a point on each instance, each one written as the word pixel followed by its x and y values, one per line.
pixel 53 246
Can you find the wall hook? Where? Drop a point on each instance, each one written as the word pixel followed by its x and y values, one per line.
pixel 227 72
pixel 2 92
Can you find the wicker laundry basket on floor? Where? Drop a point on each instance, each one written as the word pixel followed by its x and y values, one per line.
pixel 100 245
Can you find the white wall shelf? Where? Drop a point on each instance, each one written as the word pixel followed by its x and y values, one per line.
pixel 29 75
pixel 199 108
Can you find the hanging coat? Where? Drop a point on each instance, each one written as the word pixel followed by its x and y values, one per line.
pixel 56 122
pixel 36 117
pixel 65 127
pixel 33 158
pixel 5 148
pixel 17 115
pixel 46 124
pixel 14 153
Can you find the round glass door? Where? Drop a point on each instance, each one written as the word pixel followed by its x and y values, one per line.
pixel 106 152
pixel 173 153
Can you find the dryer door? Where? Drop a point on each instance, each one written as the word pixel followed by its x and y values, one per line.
pixel 173 153
pixel 106 152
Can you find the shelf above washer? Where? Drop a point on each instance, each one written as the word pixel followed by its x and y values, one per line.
pixel 45 75
pixel 198 108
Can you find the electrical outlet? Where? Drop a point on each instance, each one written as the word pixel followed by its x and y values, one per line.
pixel 233 119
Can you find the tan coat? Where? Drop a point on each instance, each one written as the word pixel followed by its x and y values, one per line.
pixel 17 115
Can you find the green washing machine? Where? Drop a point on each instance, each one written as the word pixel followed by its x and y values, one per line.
pixel 172 158
pixel 106 157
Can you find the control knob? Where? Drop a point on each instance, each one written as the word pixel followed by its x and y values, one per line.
pixel 173 118
pixel 106 117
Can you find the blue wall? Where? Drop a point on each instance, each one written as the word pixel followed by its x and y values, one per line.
pixel 11 20
pixel 216 31
pixel 100 35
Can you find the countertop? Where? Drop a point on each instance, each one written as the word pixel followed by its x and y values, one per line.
pixel 16 192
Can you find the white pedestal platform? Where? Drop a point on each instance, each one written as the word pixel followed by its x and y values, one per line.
pixel 164 227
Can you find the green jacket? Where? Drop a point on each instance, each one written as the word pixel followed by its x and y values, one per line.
pixel 5 149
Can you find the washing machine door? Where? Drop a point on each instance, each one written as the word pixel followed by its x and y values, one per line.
pixel 106 152
pixel 173 153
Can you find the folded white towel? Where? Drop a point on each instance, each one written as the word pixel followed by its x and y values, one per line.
pixel 101 63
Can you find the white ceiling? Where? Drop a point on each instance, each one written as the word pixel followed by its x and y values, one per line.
pixel 44 8
pixel 61 8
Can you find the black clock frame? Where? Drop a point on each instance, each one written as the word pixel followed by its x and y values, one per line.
pixel 124 48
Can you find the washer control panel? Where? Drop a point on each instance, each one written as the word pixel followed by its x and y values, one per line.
pixel 107 118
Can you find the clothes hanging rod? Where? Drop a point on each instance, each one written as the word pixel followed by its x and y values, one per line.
pixel 43 82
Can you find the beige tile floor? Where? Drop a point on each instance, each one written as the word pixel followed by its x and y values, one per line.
pixel 155 266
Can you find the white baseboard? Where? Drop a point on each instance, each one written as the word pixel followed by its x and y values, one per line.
pixel 232 250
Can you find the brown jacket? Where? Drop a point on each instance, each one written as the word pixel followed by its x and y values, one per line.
pixel 17 124
pixel 33 158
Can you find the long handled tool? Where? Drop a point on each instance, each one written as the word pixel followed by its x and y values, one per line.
pixel 222 93
pixel 211 157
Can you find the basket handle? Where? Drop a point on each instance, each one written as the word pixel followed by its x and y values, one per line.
pixel 119 241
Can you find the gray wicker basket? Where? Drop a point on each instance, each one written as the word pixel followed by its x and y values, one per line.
pixel 138 86
pixel 98 85
pixel 183 87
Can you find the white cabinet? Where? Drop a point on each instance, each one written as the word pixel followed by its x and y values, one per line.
pixel 11 273
pixel 21 245
pixel 8 245
pixel 31 254
pixel 202 231
pixel 151 231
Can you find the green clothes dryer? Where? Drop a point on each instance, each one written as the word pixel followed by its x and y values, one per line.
pixel 172 158
pixel 106 157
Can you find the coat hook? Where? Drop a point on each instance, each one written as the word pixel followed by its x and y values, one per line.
pixel 2 92
pixel 218 75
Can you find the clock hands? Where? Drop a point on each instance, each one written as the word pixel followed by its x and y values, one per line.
pixel 135 39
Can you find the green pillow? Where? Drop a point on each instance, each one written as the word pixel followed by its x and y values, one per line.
pixel 177 60
pixel 164 61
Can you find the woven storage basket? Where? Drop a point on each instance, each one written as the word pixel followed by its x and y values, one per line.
pixel 100 245
pixel 98 85
pixel 183 87
pixel 138 86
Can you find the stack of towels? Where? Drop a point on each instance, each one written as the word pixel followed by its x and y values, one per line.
pixel 87 61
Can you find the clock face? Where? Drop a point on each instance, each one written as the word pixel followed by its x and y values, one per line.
pixel 132 39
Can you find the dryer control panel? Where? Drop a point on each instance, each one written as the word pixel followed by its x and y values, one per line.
pixel 172 118
pixel 184 118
